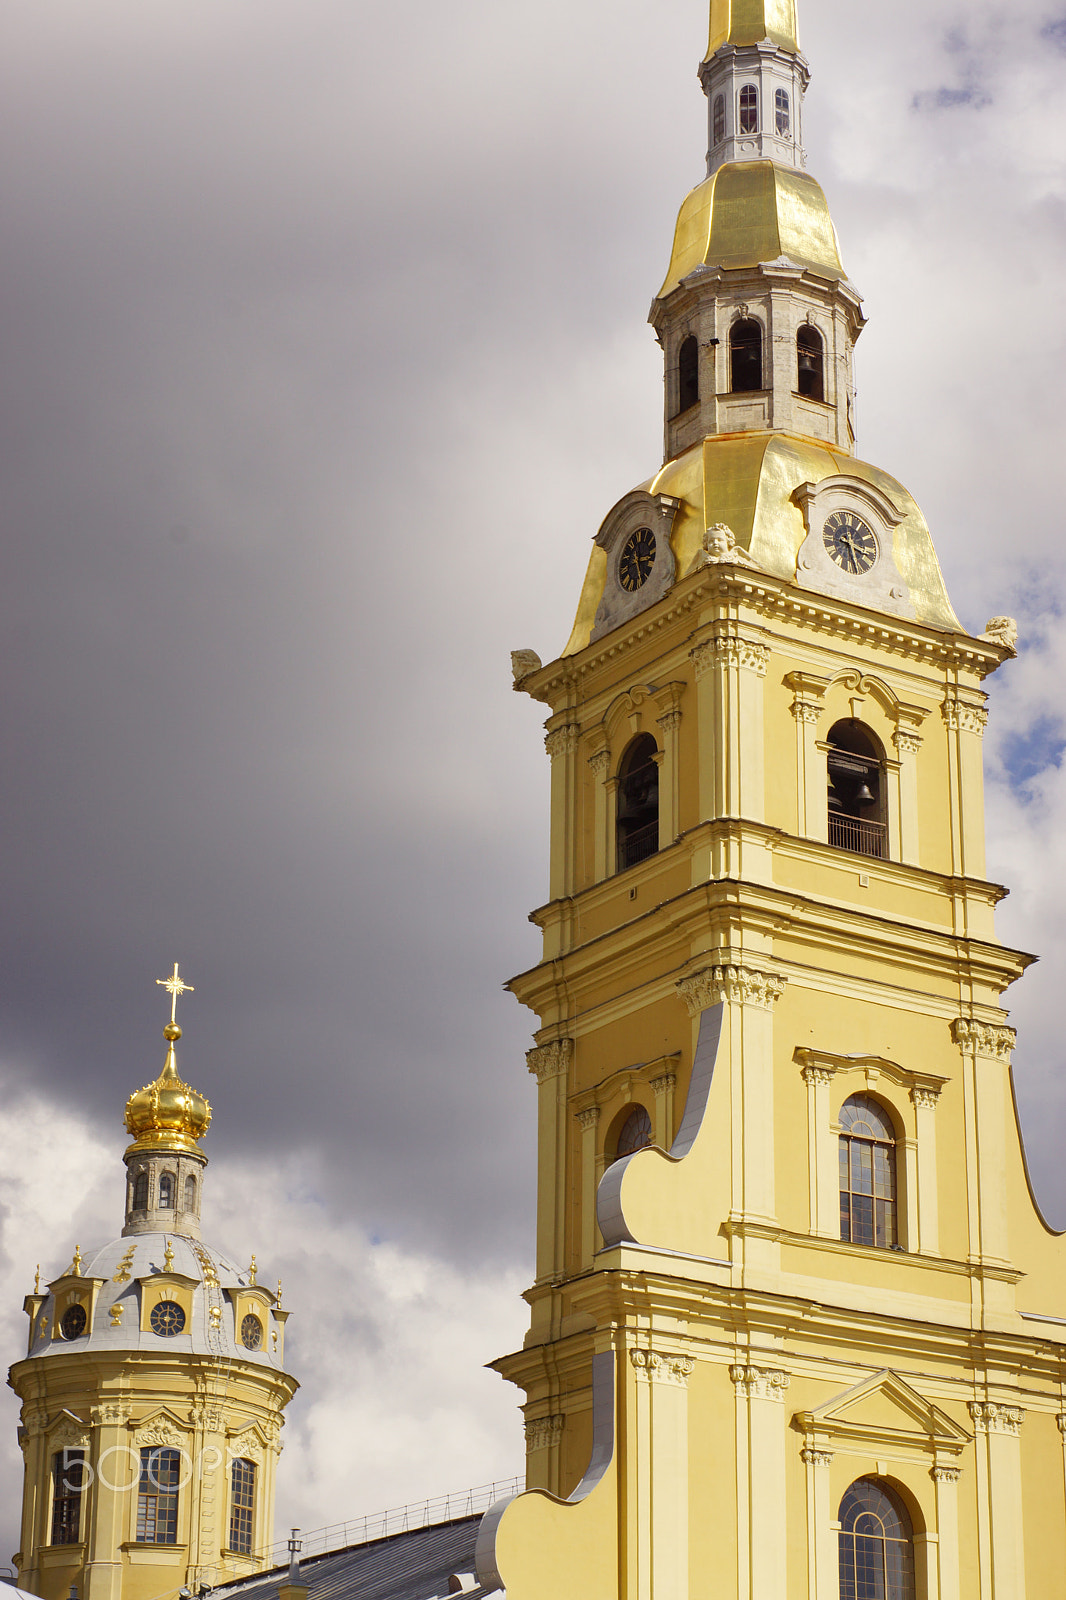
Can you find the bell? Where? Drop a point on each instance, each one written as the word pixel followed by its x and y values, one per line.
pixel 862 794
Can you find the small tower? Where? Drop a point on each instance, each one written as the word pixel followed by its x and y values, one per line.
pixel 153 1386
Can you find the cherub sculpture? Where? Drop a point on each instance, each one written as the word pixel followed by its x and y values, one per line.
pixel 720 545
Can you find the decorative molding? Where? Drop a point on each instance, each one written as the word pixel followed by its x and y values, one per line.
pixel 669 721
pixel 960 716
pixel 702 658
pixel 746 653
pixel 115 1313
pixel 993 1040
pixel 1061 1420
pixel 814 1062
pixel 994 1418
pixel 68 1434
pixel 161 1431
pixel 806 710
pixel 206 1415
pixel 924 1098
pixel 562 741
pixel 549 1060
pixel 543 1431
pixel 588 1118
pixel 523 664
pixel 656 1368
pixel 664 1083
pixel 34 1423
pixel 600 761
pixel 823 1076
pixel 906 742
pixel 246 1445
pixel 733 982
pixel 815 1457
pixel 760 1383
pixel 945 1474
pixel 1002 631
pixel 111 1414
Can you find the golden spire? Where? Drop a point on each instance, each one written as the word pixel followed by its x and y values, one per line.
pixel 752 21
pixel 167 1114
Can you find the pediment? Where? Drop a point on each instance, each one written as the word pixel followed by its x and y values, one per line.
pixel 160 1420
pixel 885 1409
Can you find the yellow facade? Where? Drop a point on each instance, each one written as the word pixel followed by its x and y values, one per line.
pixel 152 1389
pixel 723 1353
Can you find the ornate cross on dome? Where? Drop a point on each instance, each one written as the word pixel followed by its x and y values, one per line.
pixel 174 986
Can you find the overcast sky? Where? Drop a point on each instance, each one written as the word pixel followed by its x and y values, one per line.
pixel 324 354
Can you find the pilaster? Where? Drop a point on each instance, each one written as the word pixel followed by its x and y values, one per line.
pixel 549 1064
pixel 657 1459
pixel 999 1502
pixel 669 771
pixel 924 1100
pixel 663 1089
pixel 946 1481
pixel 561 744
pixel 808 707
pixel 822 1563
pixel 603 835
pixel 587 1121
pixel 761 1513
pixel 986 1050
pixel 822 1175
pixel 964 721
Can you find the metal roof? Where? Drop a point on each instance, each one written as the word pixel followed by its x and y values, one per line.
pixel 416 1565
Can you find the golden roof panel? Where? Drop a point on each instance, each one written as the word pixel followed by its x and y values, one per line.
pixel 752 21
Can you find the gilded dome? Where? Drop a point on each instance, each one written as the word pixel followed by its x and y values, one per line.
pixel 752 212
pixel 167 1114
pixel 748 481
pixel 752 21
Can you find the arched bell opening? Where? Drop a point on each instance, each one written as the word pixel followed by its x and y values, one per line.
pixel 856 790
pixel 637 815
pixel 688 374
pixel 810 363
pixel 745 356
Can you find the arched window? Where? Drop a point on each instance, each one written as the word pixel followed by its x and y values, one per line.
pixel 688 374
pixel 749 109
pixel 867 1173
pixel 242 1507
pixel 782 120
pixel 856 789
pixel 68 1486
pixel 810 363
pixel 140 1192
pixel 166 1191
pixel 634 1133
pixel 718 120
pixel 637 817
pixel 876 1544
pixel 190 1193
pixel 745 356
pixel 157 1496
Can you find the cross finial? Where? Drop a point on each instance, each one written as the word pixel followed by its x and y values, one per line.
pixel 174 986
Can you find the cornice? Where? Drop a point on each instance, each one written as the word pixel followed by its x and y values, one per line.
pixel 777 600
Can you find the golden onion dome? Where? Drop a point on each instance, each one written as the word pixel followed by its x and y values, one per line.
pixel 167 1114
pixel 753 212
pixel 752 21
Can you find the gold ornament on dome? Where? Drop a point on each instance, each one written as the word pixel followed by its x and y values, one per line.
pixel 168 1114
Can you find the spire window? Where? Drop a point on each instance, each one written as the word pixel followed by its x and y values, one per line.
pixel 166 1191
pixel 140 1192
pixel 749 109
pixel 190 1193
pixel 867 1173
pixel 688 374
pixel 856 789
pixel 876 1544
pixel 637 817
pixel 782 117
pixel 745 356
pixel 718 119
pixel 810 363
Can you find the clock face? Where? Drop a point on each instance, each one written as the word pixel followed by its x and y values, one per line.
pixel 167 1319
pixel 636 560
pixel 850 543
pixel 251 1332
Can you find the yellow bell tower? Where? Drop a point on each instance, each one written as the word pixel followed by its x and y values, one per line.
pixel 798 1328
pixel 153 1386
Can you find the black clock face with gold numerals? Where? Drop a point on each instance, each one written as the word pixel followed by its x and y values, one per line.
pixel 637 559
pixel 167 1319
pixel 850 543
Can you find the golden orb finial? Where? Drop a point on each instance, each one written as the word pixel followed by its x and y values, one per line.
pixel 168 1114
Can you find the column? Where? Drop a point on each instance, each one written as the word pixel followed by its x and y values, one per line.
pixel 812 813
pixel 761 1512
pixel 999 1502
pixel 702 658
pixel 946 1480
pixel 116 1465
pixel 657 1534
pixel 822 1563
pixel 603 864
pixel 549 1064
pixel 924 1100
pixel 587 1121
pixel 561 745
pixel 821 1155
pixel 34 1497
pixel 965 722
pixel 662 1088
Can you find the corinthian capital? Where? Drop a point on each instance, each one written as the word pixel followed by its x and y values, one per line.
pixel 562 741
pixel 994 1040
pixel 656 1368
pixel 549 1060
pixel 732 981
